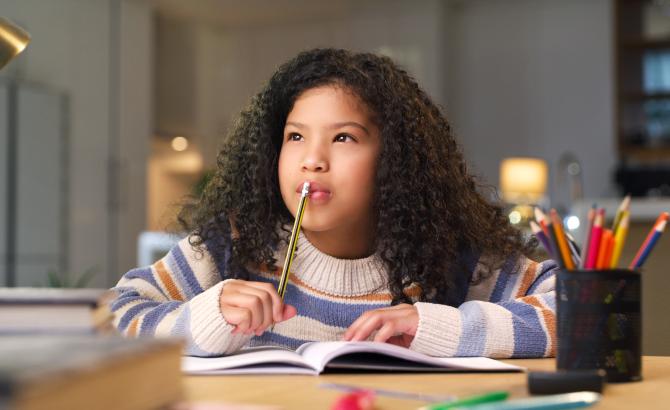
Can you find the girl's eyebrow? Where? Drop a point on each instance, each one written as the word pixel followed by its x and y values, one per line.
pixel 333 126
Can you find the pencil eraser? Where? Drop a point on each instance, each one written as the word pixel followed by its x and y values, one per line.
pixel 566 381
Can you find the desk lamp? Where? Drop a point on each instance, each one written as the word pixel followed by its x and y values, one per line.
pixel 13 39
pixel 523 182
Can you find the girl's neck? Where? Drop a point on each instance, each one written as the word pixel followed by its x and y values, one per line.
pixel 343 243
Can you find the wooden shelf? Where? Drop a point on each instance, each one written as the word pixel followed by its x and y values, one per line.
pixel 645 43
pixel 642 96
pixel 645 153
pixel 630 45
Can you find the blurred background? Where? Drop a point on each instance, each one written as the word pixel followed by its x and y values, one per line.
pixel 115 111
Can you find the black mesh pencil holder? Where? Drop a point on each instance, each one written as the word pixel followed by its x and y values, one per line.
pixel 599 323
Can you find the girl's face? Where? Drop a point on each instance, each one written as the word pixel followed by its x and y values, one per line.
pixel 331 141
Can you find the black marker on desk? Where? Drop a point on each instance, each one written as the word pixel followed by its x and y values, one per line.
pixel 566 381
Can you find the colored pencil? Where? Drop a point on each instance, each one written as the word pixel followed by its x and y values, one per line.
pixel 624 206
pixel 539 233
pixel 605 246
pixel 587 236
pixel 561 240
pixel 594 243
pixel 650 241
pixel 574 248
pixel 620 239
pixel 554 245
pixel 541 219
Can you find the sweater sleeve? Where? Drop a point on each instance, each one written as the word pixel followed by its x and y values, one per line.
pixel 178 296
pixel 510 314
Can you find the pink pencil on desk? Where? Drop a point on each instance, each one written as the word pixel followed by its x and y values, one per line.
pixel 594 243
pixel 587 236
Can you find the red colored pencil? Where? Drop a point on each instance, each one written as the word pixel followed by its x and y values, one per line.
pixel 587 236
pixel 541 219
pixel 594 243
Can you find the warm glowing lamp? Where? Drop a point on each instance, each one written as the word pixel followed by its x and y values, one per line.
pixel 523 183
pixel 13 39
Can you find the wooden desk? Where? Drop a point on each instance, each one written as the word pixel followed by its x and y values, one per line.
pixel 302 392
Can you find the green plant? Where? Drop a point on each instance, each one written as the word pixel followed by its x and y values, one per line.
pixel 64 280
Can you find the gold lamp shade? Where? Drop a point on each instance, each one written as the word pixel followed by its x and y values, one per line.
pixel 13 39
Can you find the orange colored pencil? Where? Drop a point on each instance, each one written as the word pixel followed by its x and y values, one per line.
pixel 605 251
pixel 609 252
pixel 561 241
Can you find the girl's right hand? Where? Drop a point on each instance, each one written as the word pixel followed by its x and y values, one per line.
pixel 252 307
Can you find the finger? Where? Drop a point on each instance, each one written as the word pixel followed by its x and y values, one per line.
pixel 373 323
pixel 385 332
pixel 266 305
pixel 277 303
pixel 237 316
pixel 288 312
pixel 351 330
pixel 250 302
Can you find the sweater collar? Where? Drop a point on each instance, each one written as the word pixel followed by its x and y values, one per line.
pixel 334 276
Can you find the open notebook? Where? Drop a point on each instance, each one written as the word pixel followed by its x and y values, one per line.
pixel 318 357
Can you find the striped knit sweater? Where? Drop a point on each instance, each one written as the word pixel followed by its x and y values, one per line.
pixel 510 314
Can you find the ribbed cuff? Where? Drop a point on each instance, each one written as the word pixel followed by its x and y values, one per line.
pixel 209 330
pixel 439 330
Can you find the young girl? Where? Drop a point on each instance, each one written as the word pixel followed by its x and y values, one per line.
pixel 397 245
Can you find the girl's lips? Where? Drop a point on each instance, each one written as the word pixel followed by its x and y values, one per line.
pixel 314 188
pixel 318 193
pixel 319 196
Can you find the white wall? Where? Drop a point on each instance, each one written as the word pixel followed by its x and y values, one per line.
pixel 515 77
pixel 76 48
pixel 534 77
pixel 230 64
pixel 136 125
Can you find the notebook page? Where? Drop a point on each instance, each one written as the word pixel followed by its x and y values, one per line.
pixel 318 354
pixel 258 360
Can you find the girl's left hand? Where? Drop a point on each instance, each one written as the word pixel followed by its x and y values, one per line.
pixel 396 325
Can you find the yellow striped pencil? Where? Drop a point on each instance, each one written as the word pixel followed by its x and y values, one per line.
pixel 620 238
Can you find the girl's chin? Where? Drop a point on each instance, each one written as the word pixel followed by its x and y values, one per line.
pixel 310 226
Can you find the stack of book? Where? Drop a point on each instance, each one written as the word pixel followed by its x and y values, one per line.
pixel 55 311
pixel 88 372
pixel 58 351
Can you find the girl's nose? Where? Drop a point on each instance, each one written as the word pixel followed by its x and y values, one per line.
pixel 315 161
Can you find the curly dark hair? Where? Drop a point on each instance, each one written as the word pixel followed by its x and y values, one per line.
pixel 430 212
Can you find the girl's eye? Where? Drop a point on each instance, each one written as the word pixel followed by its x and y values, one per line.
pixel 344 138
pixel 294 137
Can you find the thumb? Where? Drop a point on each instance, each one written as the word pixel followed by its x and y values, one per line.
pixel 288 312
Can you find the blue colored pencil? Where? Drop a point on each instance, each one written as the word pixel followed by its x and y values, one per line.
pixel 648 245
